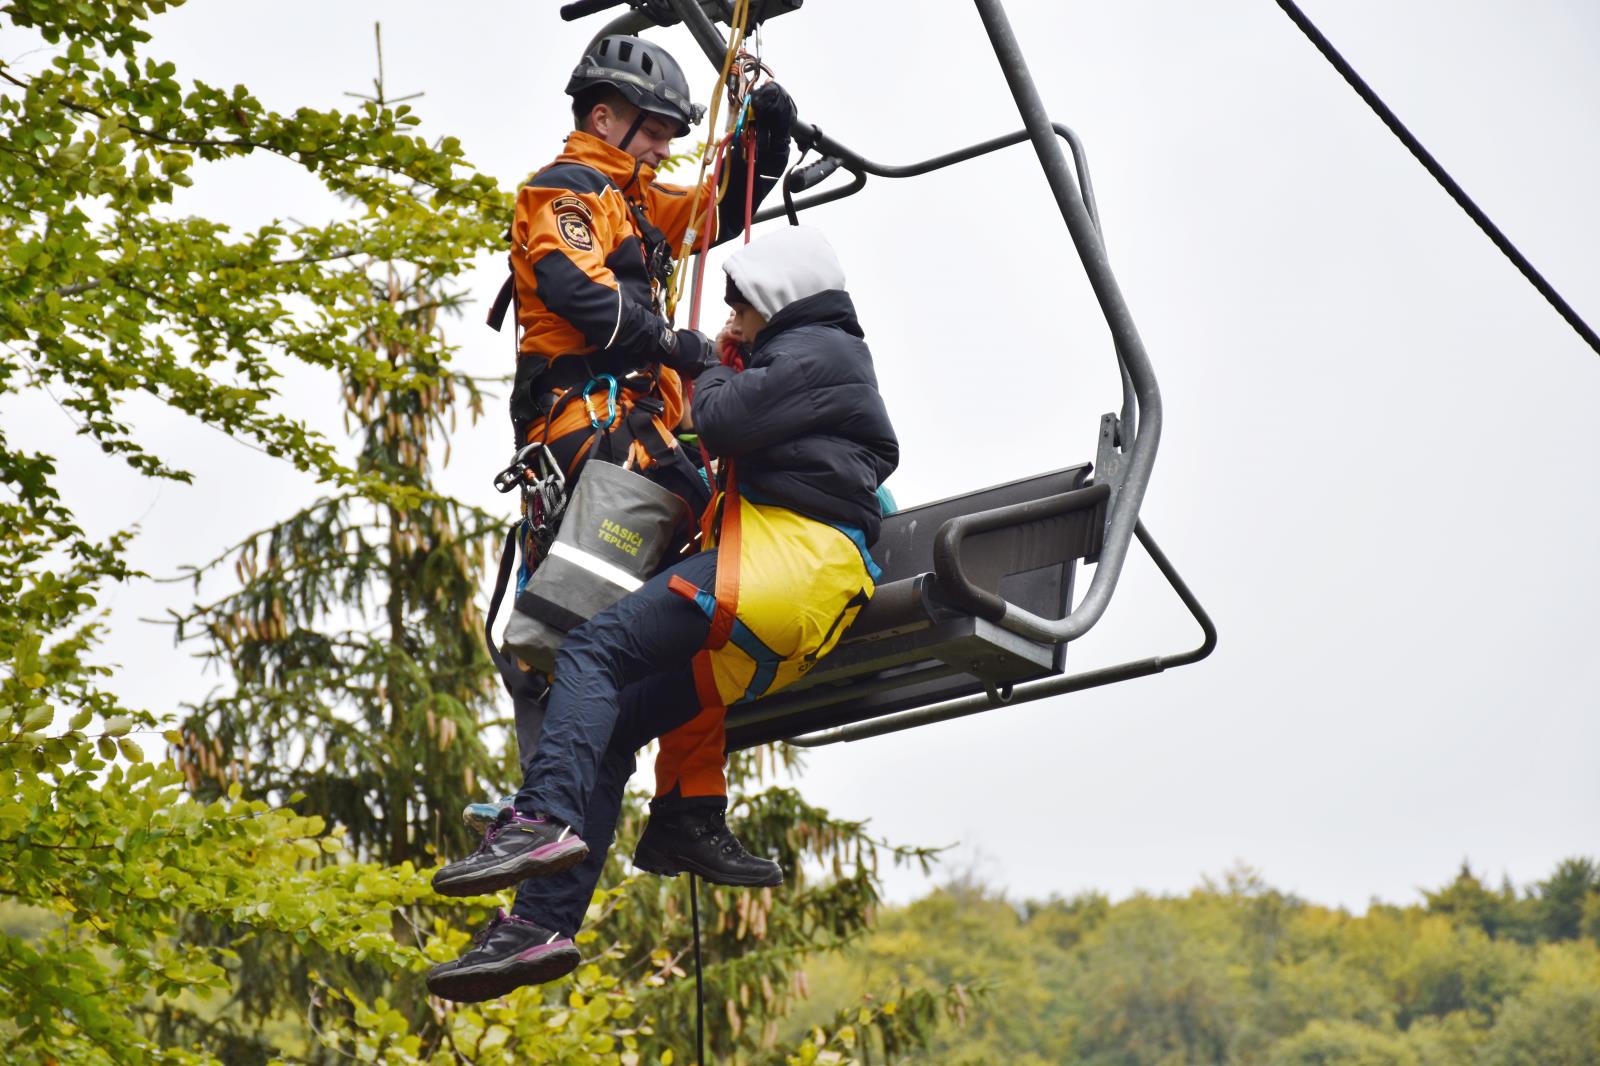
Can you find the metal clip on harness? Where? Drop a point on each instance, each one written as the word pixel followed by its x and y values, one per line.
pixel 613 411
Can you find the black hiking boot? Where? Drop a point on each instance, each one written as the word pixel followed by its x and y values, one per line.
pixel 698 841
pixel 505 955
pixel 514 849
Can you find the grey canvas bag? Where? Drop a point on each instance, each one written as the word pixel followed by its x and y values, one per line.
pixel 615 530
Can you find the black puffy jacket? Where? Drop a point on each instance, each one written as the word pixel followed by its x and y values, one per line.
pixel 804 422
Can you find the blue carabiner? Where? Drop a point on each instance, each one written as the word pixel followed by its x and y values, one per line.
pixel 613 411
pixel 744 109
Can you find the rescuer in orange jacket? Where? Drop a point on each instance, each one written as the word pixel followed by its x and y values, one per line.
pixel 592 243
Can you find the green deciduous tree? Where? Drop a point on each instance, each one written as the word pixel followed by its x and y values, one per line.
pixel 1342 1043
pixel 106 294
pixel 1556 1020
pixel 1233 973
pixel 1467 900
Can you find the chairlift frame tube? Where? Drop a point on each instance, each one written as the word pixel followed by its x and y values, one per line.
pixel 860 166
pixel 1082 225
pixel 1124 515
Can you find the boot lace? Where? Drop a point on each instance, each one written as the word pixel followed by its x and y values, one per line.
pixel 481 937
pixel 715 827
pixel 490 833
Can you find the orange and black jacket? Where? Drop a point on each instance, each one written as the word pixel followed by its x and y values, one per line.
pixel 581 254
pixel 579 257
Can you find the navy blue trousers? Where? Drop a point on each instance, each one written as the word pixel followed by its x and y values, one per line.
pixel 622 679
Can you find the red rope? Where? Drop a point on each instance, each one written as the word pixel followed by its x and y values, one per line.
pixel 705 236
pixel 749 180
pixel 729 354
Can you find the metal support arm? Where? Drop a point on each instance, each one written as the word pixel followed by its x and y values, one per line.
pixel 1086 238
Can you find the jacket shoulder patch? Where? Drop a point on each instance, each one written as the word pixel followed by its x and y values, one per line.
pixel 573 222
pixel 571 205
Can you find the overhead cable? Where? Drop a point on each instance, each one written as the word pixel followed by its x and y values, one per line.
pixel 1439 174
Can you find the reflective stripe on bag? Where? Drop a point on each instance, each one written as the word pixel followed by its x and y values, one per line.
pixel 617 527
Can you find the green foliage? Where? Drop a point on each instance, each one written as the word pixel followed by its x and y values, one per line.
pixel 105 295
pixel 1343 1043
pixel 1466 900
pixel 1562 898
pixel 112 846
pixel 1237 973
pixel 1556 1020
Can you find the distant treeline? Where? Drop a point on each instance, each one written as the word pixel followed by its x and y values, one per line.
pixel 1239 973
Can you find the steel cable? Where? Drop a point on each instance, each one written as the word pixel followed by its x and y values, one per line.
pixel 1440 175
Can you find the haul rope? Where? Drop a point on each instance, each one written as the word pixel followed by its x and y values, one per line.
pixel 1431 164
pixel 699 987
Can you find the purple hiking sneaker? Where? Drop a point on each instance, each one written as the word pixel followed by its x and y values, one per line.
pixel 505 955
pixel 514 849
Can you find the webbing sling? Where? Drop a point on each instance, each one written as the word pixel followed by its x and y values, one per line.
pixel 519 683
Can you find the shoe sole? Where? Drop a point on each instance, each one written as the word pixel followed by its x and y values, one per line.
pixel 664 867
pixel 536 966
pixel 545 861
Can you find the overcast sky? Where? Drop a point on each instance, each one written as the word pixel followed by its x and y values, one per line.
pixel 1378 469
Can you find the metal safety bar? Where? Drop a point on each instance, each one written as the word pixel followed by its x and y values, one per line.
pixel 1037 690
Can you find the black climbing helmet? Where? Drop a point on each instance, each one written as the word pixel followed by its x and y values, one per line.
pixel 644 73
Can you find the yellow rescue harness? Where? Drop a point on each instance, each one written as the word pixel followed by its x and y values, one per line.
pixel 788 586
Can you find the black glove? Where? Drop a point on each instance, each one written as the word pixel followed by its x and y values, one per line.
pixel 774 115
pixel 688 351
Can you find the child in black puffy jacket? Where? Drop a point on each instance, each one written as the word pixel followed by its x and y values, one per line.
pixel 803 441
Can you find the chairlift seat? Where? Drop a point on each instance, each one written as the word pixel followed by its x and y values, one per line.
pixel 924 637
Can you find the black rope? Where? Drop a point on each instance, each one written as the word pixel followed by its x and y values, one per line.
pixel 1457 193
pixel 699 987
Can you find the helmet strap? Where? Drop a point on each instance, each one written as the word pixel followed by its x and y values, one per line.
pixel 633 130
